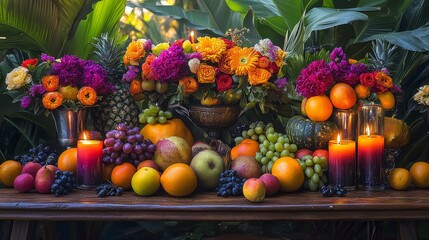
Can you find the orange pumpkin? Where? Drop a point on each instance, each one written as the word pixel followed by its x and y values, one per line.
pixel 173 127
pixel 247 147
pixel 52 100
pixel 87 96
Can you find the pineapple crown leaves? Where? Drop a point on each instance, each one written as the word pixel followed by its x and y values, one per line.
pixel 383 55
pixel 108 53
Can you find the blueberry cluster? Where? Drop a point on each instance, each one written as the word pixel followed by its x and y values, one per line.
pixel 331 191
pixel 40 154
pixel 230 184
pixel 108 189
pixel 64 183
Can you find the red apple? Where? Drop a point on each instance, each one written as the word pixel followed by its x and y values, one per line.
pixel 272 183
pixel 321 153
pixel 302 152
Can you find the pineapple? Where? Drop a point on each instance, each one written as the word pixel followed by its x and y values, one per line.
pixel 118 107
pixel 383 55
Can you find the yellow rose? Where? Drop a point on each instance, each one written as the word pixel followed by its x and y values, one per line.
pixel 135 52
pixel 206 73
pixel 258 76
pixel 17 78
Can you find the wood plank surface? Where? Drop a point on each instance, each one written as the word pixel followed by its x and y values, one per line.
pixel 85 205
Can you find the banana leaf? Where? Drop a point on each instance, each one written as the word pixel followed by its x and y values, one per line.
pixel 42 26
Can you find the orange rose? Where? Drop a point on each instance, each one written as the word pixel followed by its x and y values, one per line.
pixel 135 52
pixel 50 83
pixel 52 100
pixel 189 84
pixel 258 76
pixel 383 80
pixel 263 62
pixel 135 87
pixel 87 96
pixel 206 73
pixel 225 62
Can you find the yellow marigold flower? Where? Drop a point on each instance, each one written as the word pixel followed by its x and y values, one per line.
pixel 258 76
pixel 280 55
pixel 135 52
pixel 243 60
pixel 211 49
pixel 206 73
pixel 384 80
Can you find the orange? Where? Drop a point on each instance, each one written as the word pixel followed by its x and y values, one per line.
pixel 289 172
pixel 67 161
pixel 9 170
pixel 420 174
pixel 362 92
pixel 318 108
pixel 179 180
pixel 247 147
pixel 342 96
pixel 387 100
pixel 399 179
pixel 122 175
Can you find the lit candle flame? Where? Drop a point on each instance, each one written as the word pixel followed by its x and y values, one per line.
pixel 192 37
pixel 367 131
pixel 84 135
pixel 338 138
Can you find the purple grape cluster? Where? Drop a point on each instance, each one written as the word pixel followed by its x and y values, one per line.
pixel 126 144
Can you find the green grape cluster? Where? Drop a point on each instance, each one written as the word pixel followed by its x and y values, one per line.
pixel 272 145
pixel 314 170
pixel 154 114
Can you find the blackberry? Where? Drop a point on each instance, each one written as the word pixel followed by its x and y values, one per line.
pixel 64 183
pixel 331 190
pixel 108 189
pixel 230 184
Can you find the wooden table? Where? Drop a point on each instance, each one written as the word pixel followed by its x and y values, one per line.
pixel 84 205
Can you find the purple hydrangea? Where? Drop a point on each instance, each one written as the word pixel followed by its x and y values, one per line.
pixel 95 76
pixel 315 79
pixel 47 58
pixel 25 102
pixel 147 46
pixel 170 65
pixel 37 89
pixel 337 55
pixel 131 74
pixel 69 70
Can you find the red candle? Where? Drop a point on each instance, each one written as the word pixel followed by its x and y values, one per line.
pixel 370 161
pixel 342 163
pixel 89 155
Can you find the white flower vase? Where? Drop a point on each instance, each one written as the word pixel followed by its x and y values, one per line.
pixel 69 124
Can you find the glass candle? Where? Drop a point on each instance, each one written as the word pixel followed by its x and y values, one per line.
pixel 371 148
pixel 342 163
pixel 89 155
pixel 346 121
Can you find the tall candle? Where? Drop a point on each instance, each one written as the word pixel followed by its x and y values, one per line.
pixel 342 163
pixel 370 162
pixel 89 154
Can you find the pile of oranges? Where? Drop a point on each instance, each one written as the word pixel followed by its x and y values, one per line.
pixel 341 96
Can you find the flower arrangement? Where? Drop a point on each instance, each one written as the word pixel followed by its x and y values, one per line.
pixel 48 84
pixel 369 84
pixel 212 71
pixel 422 97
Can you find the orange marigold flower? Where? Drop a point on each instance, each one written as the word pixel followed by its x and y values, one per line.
pixel 258 76
pixel 135 87
pixel 190 85
pixel 383 79
pixel 52 100
pixel 211 49
pixel 263 62
pixel 87 96
pixel 50 83
pixel 206 73
pixel 135 52
pixel 243 60
pixel 280 55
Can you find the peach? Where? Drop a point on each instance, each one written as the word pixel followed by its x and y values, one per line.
pixel 254 190
pixel 24 182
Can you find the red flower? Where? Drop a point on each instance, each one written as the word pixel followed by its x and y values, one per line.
pixel 367 79
pixel 223 82
pixel 229 43
pixel 179 42
pixel 30 63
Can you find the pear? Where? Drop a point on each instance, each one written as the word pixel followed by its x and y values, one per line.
pixel 44 180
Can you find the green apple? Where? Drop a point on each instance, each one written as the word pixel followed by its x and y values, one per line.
pixel 145 181
pixel 207 165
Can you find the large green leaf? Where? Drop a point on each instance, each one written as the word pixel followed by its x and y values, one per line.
pixel 104 18
pixel 292 10
pixel 43 25
pixel 261 8
pixel 220 16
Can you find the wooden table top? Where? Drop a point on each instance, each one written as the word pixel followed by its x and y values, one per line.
pixel 85 205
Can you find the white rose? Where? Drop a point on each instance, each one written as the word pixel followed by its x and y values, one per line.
pixel 17 78
pixel 193 64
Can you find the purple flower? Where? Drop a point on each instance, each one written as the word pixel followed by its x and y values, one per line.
pixel 69 70
pixel 337 55
pixel 266 48
pixel 170 65
pixel 25 102
pixel 385 70
pixel 281 83
pixel 147 45
pixel 396 89
pixel 130 74
pixel 47 58
pixel 95 76
pixel 194 55
pixel 315 79
pixel 37 89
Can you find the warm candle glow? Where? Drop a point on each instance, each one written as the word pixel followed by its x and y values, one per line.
pixel 84 135
pixel 338 138
pixel 192 37
pixel 367 131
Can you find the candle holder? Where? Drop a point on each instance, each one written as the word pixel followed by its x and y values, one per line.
pixel 89 155
pixel 371 147
pixel 346 121
pixel 342 163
